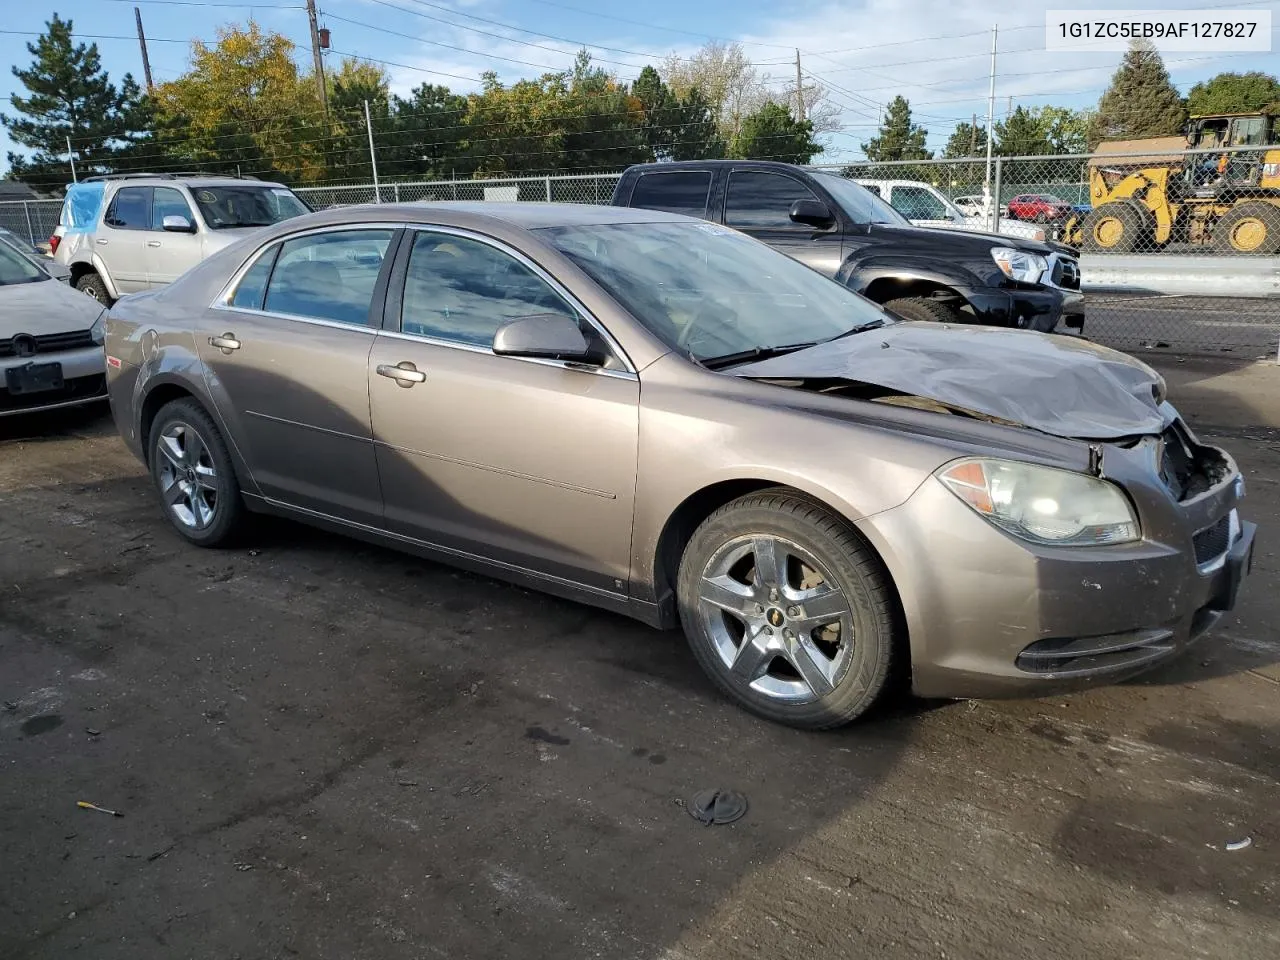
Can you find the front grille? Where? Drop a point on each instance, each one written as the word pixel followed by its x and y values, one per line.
pixel 51 343
pixel 1212 542
pixel 76 388
pixel 1066 274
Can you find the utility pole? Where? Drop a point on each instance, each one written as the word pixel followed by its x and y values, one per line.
pixel 973 134
pixel 142 42
pixel 319 61
pixel 991 116
pixel 72 157
pixel 799 90
pixel 373 156
pixel 1008 111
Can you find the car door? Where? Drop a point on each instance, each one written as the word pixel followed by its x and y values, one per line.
pixel 285 357
pixel 527 463
pixel 758 203
pixel 121 239
pixel 170 253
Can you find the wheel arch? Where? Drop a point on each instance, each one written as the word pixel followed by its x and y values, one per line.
pixel 157 397
pixel 697 506
pixel 886 288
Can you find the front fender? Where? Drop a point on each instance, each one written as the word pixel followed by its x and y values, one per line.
pixel 858 275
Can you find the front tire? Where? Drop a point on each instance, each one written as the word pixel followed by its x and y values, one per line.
pixel 192 470
pixel 1115 228
pixel 96 287
pixel 924 308
pixel 788 610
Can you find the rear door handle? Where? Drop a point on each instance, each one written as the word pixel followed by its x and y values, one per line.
pixel 226 343
pixel 404 373
pixel 102 241
pixel 153 243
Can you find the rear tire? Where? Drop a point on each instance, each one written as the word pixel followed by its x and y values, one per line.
pixel 1248 229
pixel 925 309
pixel 96 287
pixel 788 610
pixel 194 475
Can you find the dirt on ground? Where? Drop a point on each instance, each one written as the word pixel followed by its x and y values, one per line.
pixel 324 749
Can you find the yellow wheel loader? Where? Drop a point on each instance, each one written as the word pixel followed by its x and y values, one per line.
pixel 1161 193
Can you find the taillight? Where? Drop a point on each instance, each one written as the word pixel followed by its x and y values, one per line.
pixel 53 243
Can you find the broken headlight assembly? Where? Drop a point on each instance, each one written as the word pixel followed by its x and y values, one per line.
pixel 1042 504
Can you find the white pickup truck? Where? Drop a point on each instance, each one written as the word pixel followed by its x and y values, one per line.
pixel 926 206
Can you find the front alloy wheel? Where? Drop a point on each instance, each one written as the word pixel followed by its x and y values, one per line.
pixel 788 609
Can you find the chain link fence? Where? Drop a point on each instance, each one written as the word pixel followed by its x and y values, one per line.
pixel 1179 249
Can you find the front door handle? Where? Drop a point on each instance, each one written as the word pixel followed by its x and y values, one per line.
pixel 404 373
pixel 102 241
pixel 153 243
pixel 226 343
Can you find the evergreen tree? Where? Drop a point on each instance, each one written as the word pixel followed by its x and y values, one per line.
pixel 70 95
pixel 1234 93
pixel 899 138
pixel 676 128
pixel 967 140
pixel 771 133
pixel 1141 101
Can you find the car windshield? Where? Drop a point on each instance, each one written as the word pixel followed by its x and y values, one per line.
pixel 243 206
pixel 858 202
pixel 712 292
pixel 16 267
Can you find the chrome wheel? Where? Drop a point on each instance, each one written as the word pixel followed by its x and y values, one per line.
pixel 777 619
pixel 188 479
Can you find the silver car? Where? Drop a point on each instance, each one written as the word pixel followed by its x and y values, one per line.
pixel 126 233
pixel 50 339
pixel 666 418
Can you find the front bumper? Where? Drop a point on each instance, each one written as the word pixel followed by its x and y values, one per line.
pixel 992 616
pixel 83 372
pixel 1041 308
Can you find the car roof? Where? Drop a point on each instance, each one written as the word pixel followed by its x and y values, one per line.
pixel 673 165
pixel 520 214
pixel 895 183
pixel 193 182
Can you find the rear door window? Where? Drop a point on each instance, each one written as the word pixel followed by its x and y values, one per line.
pixel 130 209
pixel 328 276
pixel 682 191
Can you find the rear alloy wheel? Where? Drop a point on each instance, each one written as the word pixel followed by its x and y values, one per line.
pixel 94 286
pixel 1114 228
pixel 924 308
pixel 1249 228
pixel 192 470
pixel 788 610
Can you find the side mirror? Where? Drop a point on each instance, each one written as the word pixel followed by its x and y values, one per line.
pixel 813 213
pixel 548 336
pixel 178 224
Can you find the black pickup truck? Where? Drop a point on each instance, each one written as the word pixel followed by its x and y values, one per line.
pixel 842 230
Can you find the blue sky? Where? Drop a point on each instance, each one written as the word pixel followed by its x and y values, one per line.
pixel 863 52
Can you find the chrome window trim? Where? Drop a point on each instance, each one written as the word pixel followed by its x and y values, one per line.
pixel 558 288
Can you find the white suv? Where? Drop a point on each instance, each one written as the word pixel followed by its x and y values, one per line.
pixel 124 233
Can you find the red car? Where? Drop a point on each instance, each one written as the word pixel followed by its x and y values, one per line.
pixel 1040 207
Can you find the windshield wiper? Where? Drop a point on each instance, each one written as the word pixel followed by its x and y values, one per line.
pixel 755 353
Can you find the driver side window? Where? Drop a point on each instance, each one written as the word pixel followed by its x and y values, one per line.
pixel 461 291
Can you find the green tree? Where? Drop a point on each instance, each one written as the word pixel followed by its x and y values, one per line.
pixel 70 95
pixel 347 148
pixel 1141 100
pixel 1234 93
pixel 771 133
pixel 1021 134
pixel 899 138
pixel 967 140
pixel 676 128
pixel 429 135
pixel 602 122
pixel 244 105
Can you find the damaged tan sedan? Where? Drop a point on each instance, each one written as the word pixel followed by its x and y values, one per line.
pixel 667 419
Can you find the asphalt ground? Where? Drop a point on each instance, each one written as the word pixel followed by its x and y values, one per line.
pixel 324 749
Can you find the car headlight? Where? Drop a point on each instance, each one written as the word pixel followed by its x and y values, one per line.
pixel 97 331
pixel 1020 265
pixel 1043 504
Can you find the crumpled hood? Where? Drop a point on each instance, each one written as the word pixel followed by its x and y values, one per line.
pixel 45 307
pixel 1064 386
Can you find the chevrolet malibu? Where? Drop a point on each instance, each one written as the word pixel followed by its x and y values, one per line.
pixel 666 418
